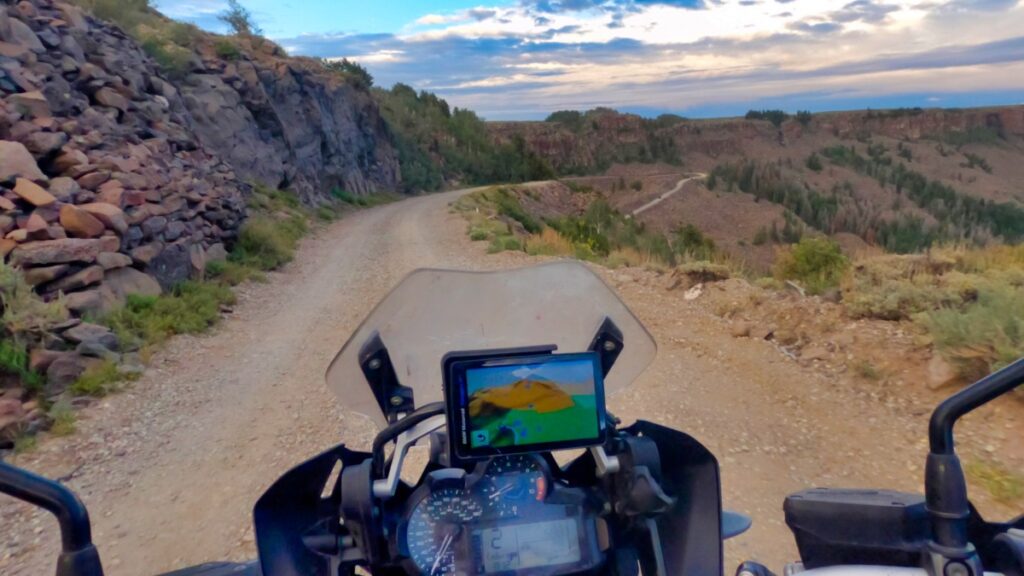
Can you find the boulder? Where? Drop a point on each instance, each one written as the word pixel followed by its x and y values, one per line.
pixel 80 223
pixel 144 254
pixel 44 274
pixel 88 332
pixel 111 216
pixel 19 235
pixel 740 329
pixel 124 282
pixel 59 251
pixel 65 370
pixel 31 104
pixel 17 162
pixel 216 253
pixel 92 180
pixel 63 188
pixel 172 266
pixel 154 226
pixel 85 277
pixel 111 98
pixel 22 34
pixel 43 144
pixel 33 193
pixel 5 24
pixel 110 192
pixel 88 302
pixel 70 158
pixel 6 247
pixel 12 418
pixel 40 359
pixel 113 260
pixel 97 350
pixel 940 373
pixel 197 257
pixel 35 224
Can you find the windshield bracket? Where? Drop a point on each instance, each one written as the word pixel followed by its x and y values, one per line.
pixel 393 398
pixel 608 343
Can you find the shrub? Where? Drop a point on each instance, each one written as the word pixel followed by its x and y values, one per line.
pixel 174 61
pixel 817 263
pixel 22 312
pixel 348 197
pixel 503 243
pixel 266 242
pixel 704 271
pixel 63 417
pixel 227 49
pixel 508 205
pixel 637 185
pixel 549 243
pixel 192 307
pixel 804 117
pixel 98 381
pixel 353 72
pixel 240 19
pixel 1004 485
pixel 232 273
pixel 690 242
pixel 984 336
pixel 814 162
pixel 14 361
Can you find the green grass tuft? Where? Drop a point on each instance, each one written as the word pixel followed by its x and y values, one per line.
pixel 192 307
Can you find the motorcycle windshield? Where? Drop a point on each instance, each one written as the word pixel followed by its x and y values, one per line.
pixel 433 312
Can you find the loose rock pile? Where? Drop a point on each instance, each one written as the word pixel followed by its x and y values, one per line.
pixel 104 189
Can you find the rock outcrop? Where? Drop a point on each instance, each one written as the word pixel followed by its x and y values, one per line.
pixel 289 123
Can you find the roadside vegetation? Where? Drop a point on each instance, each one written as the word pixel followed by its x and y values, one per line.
pixel 966 301
pixel 600 234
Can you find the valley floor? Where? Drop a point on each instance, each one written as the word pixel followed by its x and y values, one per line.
pixel 171 467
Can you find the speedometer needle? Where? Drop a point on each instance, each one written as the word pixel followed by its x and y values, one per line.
pixel 440 553
pixel 501 491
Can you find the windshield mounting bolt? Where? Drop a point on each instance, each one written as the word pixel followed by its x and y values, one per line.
pixel 609 345
pixel 396 400
pixel 374 363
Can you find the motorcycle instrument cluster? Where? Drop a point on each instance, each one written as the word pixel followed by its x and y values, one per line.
pixel 505 518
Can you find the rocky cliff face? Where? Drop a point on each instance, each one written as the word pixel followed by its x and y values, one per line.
pixel 288 123
pixel 605 137
pixel 117 180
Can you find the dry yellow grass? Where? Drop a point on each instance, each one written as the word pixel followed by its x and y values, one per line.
pixel 549 243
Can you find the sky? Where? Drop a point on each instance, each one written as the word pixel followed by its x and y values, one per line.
pixel 522 59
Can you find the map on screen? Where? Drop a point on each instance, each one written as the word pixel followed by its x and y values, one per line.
pixel 529 404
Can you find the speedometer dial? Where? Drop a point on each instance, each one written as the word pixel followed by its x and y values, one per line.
pixel 436 528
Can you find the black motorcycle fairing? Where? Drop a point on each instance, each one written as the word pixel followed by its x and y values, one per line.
pixel 691 532
pixel 292 506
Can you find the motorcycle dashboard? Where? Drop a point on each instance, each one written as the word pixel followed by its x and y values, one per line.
pixel 507 517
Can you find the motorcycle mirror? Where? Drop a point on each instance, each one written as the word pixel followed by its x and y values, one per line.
pixel 78 556
pixel 734 524
pixel 945 483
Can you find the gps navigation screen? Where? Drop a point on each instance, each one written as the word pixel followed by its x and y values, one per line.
pixel 551 402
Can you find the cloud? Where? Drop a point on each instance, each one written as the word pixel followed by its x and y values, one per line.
pixel 526 60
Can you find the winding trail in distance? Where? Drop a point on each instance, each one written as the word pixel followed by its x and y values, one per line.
pixel 666 195
pixel 171 467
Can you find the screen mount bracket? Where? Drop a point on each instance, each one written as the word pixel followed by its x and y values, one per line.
pixel 393 398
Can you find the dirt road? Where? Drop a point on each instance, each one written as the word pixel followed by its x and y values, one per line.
pixel 679 186
pixel 171 467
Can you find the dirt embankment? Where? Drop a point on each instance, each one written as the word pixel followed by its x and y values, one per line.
pixel 171 467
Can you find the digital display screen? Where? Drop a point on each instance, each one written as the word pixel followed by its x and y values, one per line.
pixel 523 546
pixel 516 405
